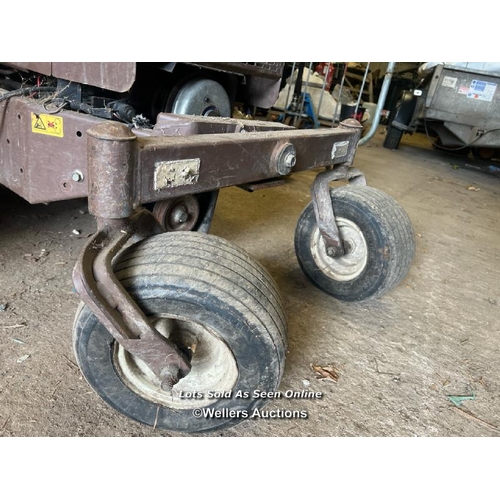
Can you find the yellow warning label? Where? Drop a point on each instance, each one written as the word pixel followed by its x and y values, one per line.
pixel 47 124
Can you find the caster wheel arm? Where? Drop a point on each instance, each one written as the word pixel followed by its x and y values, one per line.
pixel 98 287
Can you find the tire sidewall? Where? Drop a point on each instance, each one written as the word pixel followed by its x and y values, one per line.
pixel 254 352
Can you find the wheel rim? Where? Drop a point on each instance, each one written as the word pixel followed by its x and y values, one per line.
pixel 348 266
pixel 203 97
pixel 213 366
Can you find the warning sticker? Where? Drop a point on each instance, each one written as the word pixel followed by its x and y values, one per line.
pixel 448 81
pixel 47 124
pixel 482 91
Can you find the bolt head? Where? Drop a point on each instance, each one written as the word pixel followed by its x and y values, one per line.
pixel 180 215
pixel 77 176
pixel 285 158
pixel 290 160
pixel 331 251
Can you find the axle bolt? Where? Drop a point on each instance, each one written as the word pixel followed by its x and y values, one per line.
pixel 168 380
pixel 284 158
pixel 290 160
pixel 180 215
pixel 331 251
pixel 167 383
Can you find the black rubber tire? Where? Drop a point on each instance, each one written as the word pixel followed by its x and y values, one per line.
pixel 393 138
pixel 208 280
pixel 389 237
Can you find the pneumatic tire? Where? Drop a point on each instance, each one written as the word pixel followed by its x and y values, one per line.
pixel 380 243
pixel 204 293
pixel 393 137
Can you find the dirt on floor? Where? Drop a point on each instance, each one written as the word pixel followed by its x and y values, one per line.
pixel 397 359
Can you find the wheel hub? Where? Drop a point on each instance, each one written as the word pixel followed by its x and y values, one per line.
pixel 350 265
pixel 213 367
pixel 203 97
pixel 178 214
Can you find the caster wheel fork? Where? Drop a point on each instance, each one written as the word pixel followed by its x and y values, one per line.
pixel 353 242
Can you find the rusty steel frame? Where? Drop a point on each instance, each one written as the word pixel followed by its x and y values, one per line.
pixel 126 170
pixel 41 169
pixel 236 158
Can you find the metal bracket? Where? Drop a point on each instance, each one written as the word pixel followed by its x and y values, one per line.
pixel 99 288
pixel 323 209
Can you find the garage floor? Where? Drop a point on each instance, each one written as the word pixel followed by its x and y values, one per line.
pixel 398 357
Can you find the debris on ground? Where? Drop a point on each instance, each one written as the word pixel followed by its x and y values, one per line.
pixel 396 376
pixel 55 388
pixel 71 364
pixel 5 423
pixel 35 258
pixel 22 359
pixel 443 382
pixel 477 419
pixel 18 341
pixel 3 307
pixel 17 325
pixel 327 372
pixel 457 400
pixel 76 231
pixel 306 382
pixel 473 188
pixel 156 417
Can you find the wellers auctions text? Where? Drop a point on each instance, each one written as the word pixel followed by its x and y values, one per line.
pixel 257 413
pixel 256 394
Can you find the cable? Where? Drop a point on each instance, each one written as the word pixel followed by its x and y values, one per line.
pixel 461 147
pixel 25 91
pixel 55 110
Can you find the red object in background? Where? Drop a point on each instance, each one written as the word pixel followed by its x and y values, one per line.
pixel 322 69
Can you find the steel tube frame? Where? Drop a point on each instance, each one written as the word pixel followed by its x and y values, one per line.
pixel 380 104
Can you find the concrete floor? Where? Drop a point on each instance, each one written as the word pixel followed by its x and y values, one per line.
pixel 398 357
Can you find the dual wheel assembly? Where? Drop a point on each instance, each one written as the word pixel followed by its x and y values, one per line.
pixel 224 311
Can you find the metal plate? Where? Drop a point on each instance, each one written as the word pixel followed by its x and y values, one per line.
pixel 176 173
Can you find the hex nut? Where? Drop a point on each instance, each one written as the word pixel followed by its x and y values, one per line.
pixel 77 176
pixel 285 158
